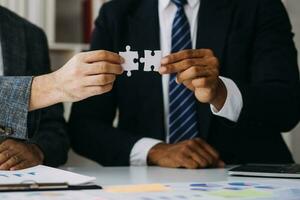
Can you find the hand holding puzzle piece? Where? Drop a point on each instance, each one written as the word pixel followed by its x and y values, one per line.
pixel 151 60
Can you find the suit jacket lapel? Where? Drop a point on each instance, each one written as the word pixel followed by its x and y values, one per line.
pixel 213 25
pixel 12 37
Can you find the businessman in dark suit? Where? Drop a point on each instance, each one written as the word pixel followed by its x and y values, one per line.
pixel 25 53
pixel 235 65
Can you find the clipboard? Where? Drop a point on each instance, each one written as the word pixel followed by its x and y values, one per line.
pixel 36 187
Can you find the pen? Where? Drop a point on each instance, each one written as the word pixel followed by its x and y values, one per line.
pixel 34 186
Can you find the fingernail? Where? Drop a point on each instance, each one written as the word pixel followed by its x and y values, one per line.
pixel 122 60
pixel 177 81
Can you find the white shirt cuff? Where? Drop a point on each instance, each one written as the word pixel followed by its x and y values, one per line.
pixel 139 152
pixel 233 104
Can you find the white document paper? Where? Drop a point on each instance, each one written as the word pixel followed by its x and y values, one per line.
pixel 43 174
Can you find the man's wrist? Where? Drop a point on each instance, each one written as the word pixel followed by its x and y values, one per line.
pixel 39 152
pixel 221 94
pixel 140 151
pixel 55 87
pixel 44 92
pixel 154 151
pixel 233 104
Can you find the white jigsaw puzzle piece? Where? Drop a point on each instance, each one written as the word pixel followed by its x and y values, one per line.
pixel 151 61
pixel 130 57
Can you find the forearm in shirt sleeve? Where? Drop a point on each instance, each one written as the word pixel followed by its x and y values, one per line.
pixel 233 104
pixel 139 152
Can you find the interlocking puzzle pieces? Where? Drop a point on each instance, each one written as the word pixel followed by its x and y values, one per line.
pixel 151 60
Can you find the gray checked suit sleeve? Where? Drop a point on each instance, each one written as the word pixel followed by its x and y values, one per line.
pixel 14 103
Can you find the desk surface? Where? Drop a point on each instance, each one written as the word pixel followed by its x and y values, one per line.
pixel 143 175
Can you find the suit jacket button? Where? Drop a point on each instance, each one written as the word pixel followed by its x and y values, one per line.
pixel 8 131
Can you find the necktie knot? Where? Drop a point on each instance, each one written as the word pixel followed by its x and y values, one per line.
pixel 180 3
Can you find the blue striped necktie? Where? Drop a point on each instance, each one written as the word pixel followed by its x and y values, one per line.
pixel 182 103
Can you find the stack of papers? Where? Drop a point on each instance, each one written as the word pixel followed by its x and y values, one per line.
pixel 42 174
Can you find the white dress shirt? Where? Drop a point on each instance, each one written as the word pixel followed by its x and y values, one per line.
pixel 234 102
pixel 1 61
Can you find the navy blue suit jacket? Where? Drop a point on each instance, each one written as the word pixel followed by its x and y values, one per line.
pixel 254 43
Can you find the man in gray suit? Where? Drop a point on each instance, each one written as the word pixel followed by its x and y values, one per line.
pixel 23 54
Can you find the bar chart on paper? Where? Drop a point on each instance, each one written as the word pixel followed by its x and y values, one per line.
pixel 287 190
